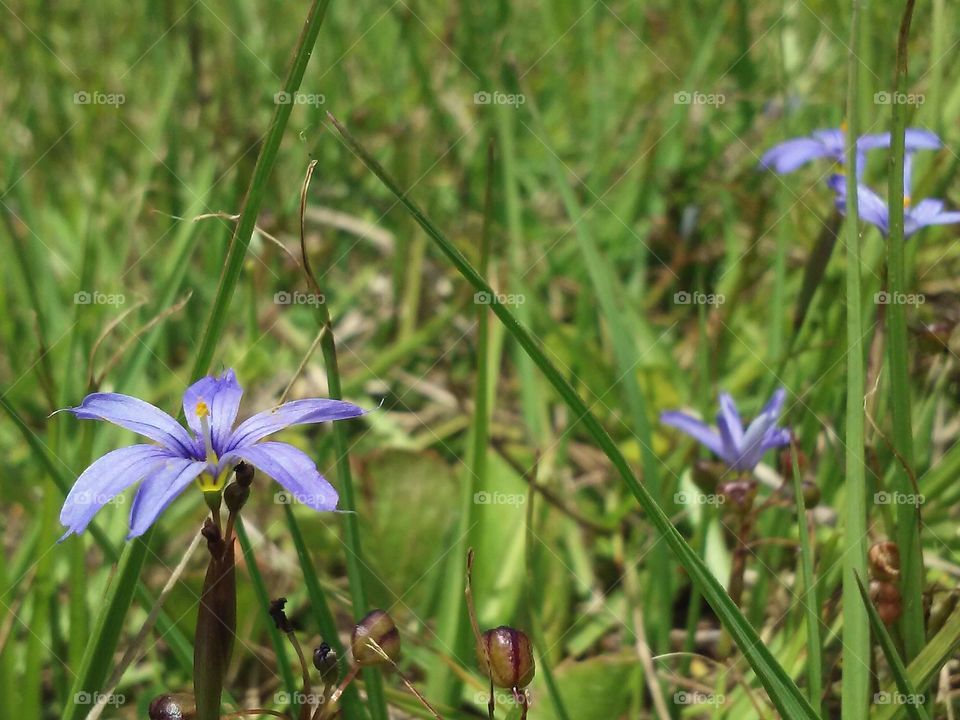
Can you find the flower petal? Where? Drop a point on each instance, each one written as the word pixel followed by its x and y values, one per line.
pixel 729 425
pixel 106 478
pixel 917 139
pixel 221 395
pixel 792 154
pixel 754 439
pixel 298 412
pixel 139 416
pixel 696 429
pixel 159 490
pixel 290 467
pixel 775 437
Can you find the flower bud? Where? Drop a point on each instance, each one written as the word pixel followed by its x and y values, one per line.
pixel 511 657
pixel 325 660
pixel 884 559
pixel 172 706
pixel 373 637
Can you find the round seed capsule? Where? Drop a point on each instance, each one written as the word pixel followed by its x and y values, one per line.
pixel 173 706
pixel 511 657
pixel 325 660
pixel 373 637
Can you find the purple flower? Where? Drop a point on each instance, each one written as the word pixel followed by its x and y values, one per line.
pixel 206 452
pixel 873 209
pixel 797 152
pixel 740 449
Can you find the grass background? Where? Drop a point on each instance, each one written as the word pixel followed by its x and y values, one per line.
pixel 610 195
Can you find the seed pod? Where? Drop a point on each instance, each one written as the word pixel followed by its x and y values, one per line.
pixel 235 496
pixel 886 598
pixel 811 494
pixel 511 657
pixel 172 706
pixel 786 463
pixel 707 473
pixel 244 474
pixel 884 558
pixel 325 660
pixel 375 633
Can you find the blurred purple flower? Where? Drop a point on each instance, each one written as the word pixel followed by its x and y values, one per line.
pixel 207 452
pixel 797 152
pixel 740 449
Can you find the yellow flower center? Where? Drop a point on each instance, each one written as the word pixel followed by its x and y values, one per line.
pixel 906 201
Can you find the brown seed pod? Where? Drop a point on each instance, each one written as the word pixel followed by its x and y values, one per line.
pixel 886 598
pixel 172 706
pixel 511 657
pixel 884 559
pixel 811 494
pixel 786 463
pixel 373 637
pixel 325 660
pixel 707 473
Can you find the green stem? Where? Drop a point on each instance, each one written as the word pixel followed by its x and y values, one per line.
pixel 856 628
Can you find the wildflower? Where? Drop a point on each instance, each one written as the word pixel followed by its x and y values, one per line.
pixel 206 452
pixel 830 144
pixel 873 209
pixel 739 449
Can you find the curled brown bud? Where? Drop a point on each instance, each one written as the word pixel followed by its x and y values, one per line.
pixel 511 657
pixel 325 660
pixel 886 598
pixel 884 559
pixel 374 637
pixel 172 706
pixel 279 616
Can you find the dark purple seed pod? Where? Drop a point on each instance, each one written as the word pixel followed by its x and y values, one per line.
pixel 279 616
pixel 172 706
pixel 244 474
pixel 511 657
pixel 235 496
pixel 325 660
pixel 376 630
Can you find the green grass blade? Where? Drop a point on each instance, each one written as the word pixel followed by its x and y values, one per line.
pixel 856 628
pixel 908 522
pixel 912 700
pixel 809 598
pixel 783 692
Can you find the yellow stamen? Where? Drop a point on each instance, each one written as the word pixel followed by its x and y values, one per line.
pixel 906 201
pixel 202 410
